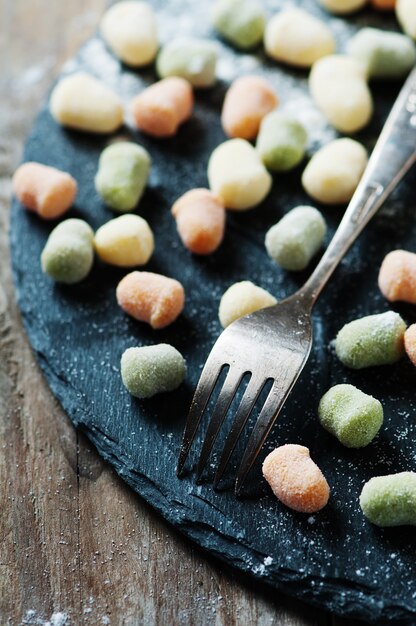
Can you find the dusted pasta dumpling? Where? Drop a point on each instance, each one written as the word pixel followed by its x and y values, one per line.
pixel 149 370
pixel 237 175
pixel 351 415
pixel 241 299
pixel 129 29
pixel 47 191
pixel 125 241
pixel 333 173
pixel 390 500
pixel 84 103
pixel 122 175
pixel 296 238
pixel 338 85
pixel 295 479
pixel 371 340
pixel 151 298
pixel 69 252
pixel 296 37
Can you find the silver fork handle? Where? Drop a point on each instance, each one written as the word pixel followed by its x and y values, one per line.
pixel 392 157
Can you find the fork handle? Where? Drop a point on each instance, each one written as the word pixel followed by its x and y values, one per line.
pixel 392 157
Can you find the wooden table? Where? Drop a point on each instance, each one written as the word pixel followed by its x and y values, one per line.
pixel 77 544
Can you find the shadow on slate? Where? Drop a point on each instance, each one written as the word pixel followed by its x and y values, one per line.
pixel 334 559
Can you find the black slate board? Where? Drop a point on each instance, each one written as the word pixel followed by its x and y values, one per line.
pixel 333 559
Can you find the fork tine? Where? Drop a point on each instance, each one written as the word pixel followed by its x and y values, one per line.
pixel 205 387
pixel 252 392
pixel 265 421
pixel 226 395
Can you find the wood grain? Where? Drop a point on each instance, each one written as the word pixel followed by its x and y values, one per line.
pixel 77 544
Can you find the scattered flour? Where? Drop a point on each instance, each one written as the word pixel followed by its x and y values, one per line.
pixel 58 618
pixel 34 74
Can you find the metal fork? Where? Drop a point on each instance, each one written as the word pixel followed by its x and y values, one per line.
pixel 274 343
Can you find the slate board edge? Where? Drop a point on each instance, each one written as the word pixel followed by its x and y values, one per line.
pixel 338 595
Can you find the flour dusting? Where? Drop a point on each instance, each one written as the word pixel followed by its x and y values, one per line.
pixel 58 618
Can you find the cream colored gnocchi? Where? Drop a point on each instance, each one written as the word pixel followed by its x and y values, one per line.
pixel 237 175
pixel 241 299
pixel 338 85
pixel 296 37
pixel 84 103
pixel 333 173
pixel 129 29
pixel 125 241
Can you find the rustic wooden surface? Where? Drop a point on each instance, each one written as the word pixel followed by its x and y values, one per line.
pixel 78 547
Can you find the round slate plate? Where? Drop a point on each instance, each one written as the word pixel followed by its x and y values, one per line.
pixel 334 559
